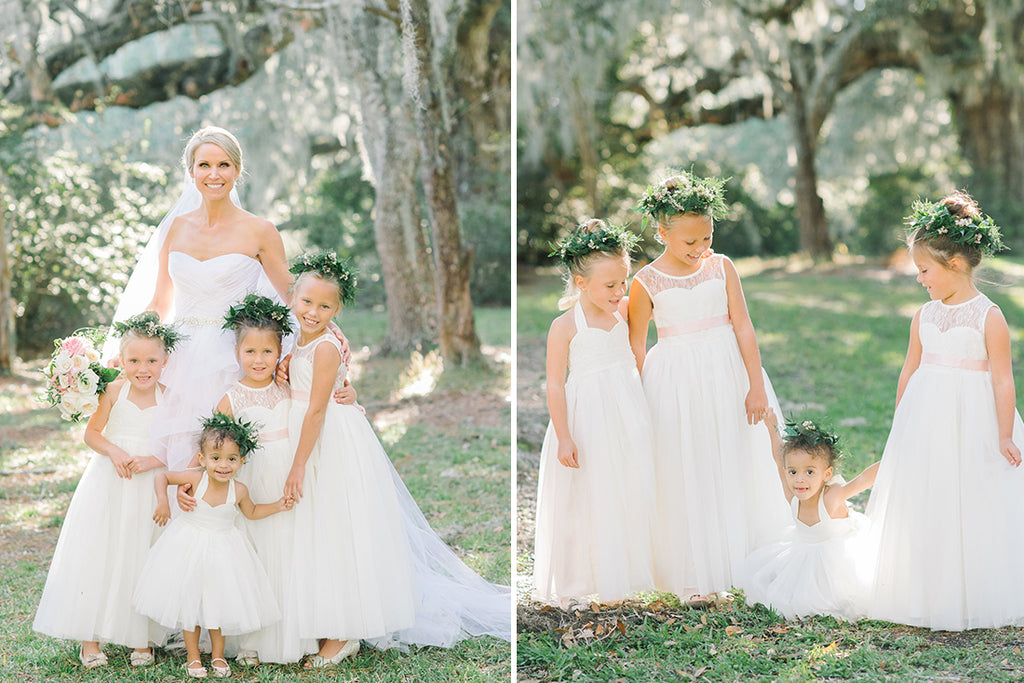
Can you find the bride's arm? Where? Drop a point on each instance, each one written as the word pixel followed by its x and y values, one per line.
pixel 271 254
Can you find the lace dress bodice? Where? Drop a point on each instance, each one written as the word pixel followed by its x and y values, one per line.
pixel 593 349
pixel 954 332
pixel 301 368
pixel 687 300
pixel 268 406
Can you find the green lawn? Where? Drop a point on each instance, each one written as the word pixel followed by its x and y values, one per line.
pixel 832 339
pixel 447 433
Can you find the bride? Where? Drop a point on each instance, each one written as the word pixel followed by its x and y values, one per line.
pixel 206 255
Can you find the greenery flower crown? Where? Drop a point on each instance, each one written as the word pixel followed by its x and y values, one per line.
pixel 935 220
pixel 807 434
pixel 147 324
pixel 242 433
pixel 684 193
pixel 328 265
pixel 582 242
pixel 258 309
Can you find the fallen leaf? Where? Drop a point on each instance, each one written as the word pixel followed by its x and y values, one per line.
pixel 621 626
pixel 670 642
pixel 595 607
pixel 733 630
pixel 599 630
pixel 704 619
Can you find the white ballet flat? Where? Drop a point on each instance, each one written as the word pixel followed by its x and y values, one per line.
pixel 91 661
pixel 220 671
pixel 348 649
pixel 142 658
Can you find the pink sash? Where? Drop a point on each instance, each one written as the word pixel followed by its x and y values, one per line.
pixel 694 326
pixel 978 364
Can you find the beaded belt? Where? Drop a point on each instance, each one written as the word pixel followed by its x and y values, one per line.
pixel 195 321
pixel 694 326
pixel 978 364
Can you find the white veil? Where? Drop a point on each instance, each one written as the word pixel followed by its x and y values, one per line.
pixel 142 284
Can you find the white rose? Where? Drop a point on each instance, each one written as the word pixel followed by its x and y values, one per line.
pixel 93 355
pixel 64 380
pixel 86 382
pixel 62 362
pixel 89 405
pixel 71 404
pixel 79 364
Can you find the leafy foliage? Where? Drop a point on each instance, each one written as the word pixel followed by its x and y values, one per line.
pixel 76 228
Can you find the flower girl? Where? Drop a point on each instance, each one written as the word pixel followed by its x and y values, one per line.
pixel 816 567
pixel 947 505
pixel 203 572
pixel 259 325
pixel 108 530
pixel 716 488
pixel 594 502
pixel 367 565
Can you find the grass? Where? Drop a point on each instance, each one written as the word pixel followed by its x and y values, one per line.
pixel 447 433
pixel 833 339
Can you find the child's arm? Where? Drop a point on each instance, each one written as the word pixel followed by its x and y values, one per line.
pixel 94 438
pixel 997 343
pixel 756 403
pixel 913 360
pixel 639 309
pixel 164 479
pixel 559 336
pixel 862 482
pixel 326 361
pixel 258 510
pixel 771 421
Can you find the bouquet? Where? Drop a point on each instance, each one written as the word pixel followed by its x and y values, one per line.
pixel 75 378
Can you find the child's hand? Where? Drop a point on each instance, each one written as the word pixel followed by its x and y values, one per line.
pixel 567 453
pixel 145 464
pixel 286 503
pixel 186 501
pixel 162 514
pixel 756 405
pixel 346 396
pixel 346 352
pixel 1010 451
pixel 771 420
pixel 281 376
pixel 122 462
pixel 293 484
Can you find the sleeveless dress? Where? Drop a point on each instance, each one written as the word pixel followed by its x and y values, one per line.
pixel 717 484
pixel 103 544
pixel 947 510
pixel 203 365
pixel 264 472
pixel 366 563
pixel 594 524
pixel 203 571
pixel 811 569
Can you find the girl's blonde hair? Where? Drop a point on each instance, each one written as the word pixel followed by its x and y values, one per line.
pixel 217 136
pixel 581 265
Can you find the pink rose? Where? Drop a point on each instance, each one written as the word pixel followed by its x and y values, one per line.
pixel 74 346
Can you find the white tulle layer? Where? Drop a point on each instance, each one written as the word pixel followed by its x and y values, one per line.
pixel 947 509
pixel 718 488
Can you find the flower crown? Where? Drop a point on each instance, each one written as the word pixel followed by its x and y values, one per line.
pixel 583 241
pixel 935 220
pixel 684 193
pixel 328 265
pixel 147 324
pixel 258 309
pixel 807 434
pixel 242 433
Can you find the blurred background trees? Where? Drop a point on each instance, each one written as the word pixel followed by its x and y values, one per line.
pixel 830 116
pixel 326 98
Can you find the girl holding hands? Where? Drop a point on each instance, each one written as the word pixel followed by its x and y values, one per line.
pixel 716 486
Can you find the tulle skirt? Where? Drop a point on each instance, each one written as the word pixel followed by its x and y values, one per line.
pixel 798 578
pixel 947 510
pixel 100 554
pixel 196 576
pixel 594 523
pixel 367 564
pixel 718 490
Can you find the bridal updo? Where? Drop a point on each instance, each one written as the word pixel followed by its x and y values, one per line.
pixel 217 136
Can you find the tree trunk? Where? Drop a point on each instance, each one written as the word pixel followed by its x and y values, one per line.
pixel 8 341
pixel 810 210
pixel 991 136
pixel 457 336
